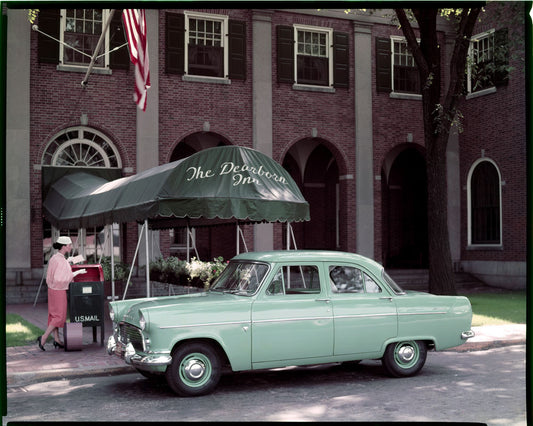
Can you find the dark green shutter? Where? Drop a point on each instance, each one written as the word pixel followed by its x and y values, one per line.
pixel 237 50
pixel 501 57
pixel 48 49
pixel 383 65
pixel 341 58
pixel 285 47
pixel 174 43
pixel 120 58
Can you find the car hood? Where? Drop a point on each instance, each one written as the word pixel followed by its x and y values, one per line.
pixel 183 309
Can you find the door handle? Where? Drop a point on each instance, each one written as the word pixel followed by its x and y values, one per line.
pixel 386 298
pixel 323 300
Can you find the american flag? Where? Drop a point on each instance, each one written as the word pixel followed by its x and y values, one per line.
pixel 135 25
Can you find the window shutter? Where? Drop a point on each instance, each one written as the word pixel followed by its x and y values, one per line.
pixel 341 57
pixel 48 23
pixel 383 65
pixel 237 50
pixel 175 43
pixel 285 47
pixel 119 59
pixel 501 57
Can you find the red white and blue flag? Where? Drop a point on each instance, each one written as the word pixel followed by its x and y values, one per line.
pixel 135 25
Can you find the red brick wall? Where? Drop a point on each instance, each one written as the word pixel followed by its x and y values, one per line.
pixel 496 123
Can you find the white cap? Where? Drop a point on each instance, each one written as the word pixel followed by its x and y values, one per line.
pixel 64 240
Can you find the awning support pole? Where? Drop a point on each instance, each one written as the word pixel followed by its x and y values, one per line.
pixel 240 235
pixel 133 263
pixel 290 233
pixel 147 258
pixel 112 245
pixel 188 245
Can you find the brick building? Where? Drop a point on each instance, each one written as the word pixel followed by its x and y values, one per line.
pixel 331 96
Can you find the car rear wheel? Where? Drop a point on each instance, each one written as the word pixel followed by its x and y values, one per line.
pixel 404 359
pixel 195 369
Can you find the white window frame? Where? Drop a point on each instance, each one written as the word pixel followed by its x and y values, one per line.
pixel 224 41
pixel 404 95
pixel 475 39
pixel 469 205
pixel 329 44
pixel 84 136
pixel 63 66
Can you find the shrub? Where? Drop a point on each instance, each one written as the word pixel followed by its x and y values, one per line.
pixel 122 270
pixel 194 273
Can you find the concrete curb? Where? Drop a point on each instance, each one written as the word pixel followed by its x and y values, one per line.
pixel 28 378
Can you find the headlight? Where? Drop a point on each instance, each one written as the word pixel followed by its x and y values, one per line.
pixel 111 313
pixel 142 321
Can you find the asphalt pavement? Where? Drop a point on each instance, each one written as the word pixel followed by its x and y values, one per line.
pixel 28 364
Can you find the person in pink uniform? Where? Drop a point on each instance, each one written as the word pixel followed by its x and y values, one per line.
pixel 58 279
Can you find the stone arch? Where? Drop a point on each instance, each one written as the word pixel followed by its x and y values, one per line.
pixel 313 163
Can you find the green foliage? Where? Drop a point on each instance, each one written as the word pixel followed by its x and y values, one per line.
pixel 122 270
pixel 170 270
pixel 194 273
pixel 507 307
pixel 32 15
pixel 20 332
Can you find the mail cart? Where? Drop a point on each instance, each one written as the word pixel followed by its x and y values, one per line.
pixel 86 298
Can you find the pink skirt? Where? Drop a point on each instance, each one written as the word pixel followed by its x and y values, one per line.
pixel 57 307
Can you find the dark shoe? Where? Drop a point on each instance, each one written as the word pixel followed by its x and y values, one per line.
pixel 40 344
pixel 58 345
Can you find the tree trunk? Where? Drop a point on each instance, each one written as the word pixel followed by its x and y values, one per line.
pixel 441 277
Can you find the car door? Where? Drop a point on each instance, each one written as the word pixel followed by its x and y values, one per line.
pixel 365 314
pixel 293 318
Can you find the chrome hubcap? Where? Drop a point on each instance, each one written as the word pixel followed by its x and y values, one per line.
pixel 406 353
pixel 194 369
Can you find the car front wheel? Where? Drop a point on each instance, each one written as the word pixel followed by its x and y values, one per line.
pixel 404 359
pixel 195 369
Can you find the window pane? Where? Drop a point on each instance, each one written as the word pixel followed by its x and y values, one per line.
pixel 482 68
pixel 83 28
pixel 346 279
pixel 406 78
pixel 205 51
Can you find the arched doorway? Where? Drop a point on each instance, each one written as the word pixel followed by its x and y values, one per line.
pixel 89 150
pixel 405 221
pixel 314 168
pixel 211 241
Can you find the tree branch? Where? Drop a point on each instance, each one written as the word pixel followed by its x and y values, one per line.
pixel 410 36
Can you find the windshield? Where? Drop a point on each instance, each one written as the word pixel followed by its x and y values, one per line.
pixel 240 278
pixel 395 287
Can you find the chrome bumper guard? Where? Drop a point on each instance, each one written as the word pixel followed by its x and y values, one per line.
pixel 467 334
pixel 127 353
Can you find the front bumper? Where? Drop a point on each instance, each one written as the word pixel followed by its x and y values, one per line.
pixel 128 354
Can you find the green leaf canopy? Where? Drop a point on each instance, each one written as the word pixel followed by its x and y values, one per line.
pixel 216 185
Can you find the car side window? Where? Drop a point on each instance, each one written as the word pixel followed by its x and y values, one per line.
pixel 295 279
pixel 347 279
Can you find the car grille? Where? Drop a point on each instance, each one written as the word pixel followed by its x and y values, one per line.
pixel 129 333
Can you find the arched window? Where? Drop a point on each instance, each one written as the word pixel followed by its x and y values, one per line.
pixel 81 147
pixel 484 204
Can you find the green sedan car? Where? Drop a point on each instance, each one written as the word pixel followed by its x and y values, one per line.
pixel 286 308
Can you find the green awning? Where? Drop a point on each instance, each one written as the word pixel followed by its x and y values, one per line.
pixel 216 185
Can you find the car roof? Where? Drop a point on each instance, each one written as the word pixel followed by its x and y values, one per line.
pixel 307 256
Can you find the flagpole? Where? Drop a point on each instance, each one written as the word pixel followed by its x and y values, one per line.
pixel 98 45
